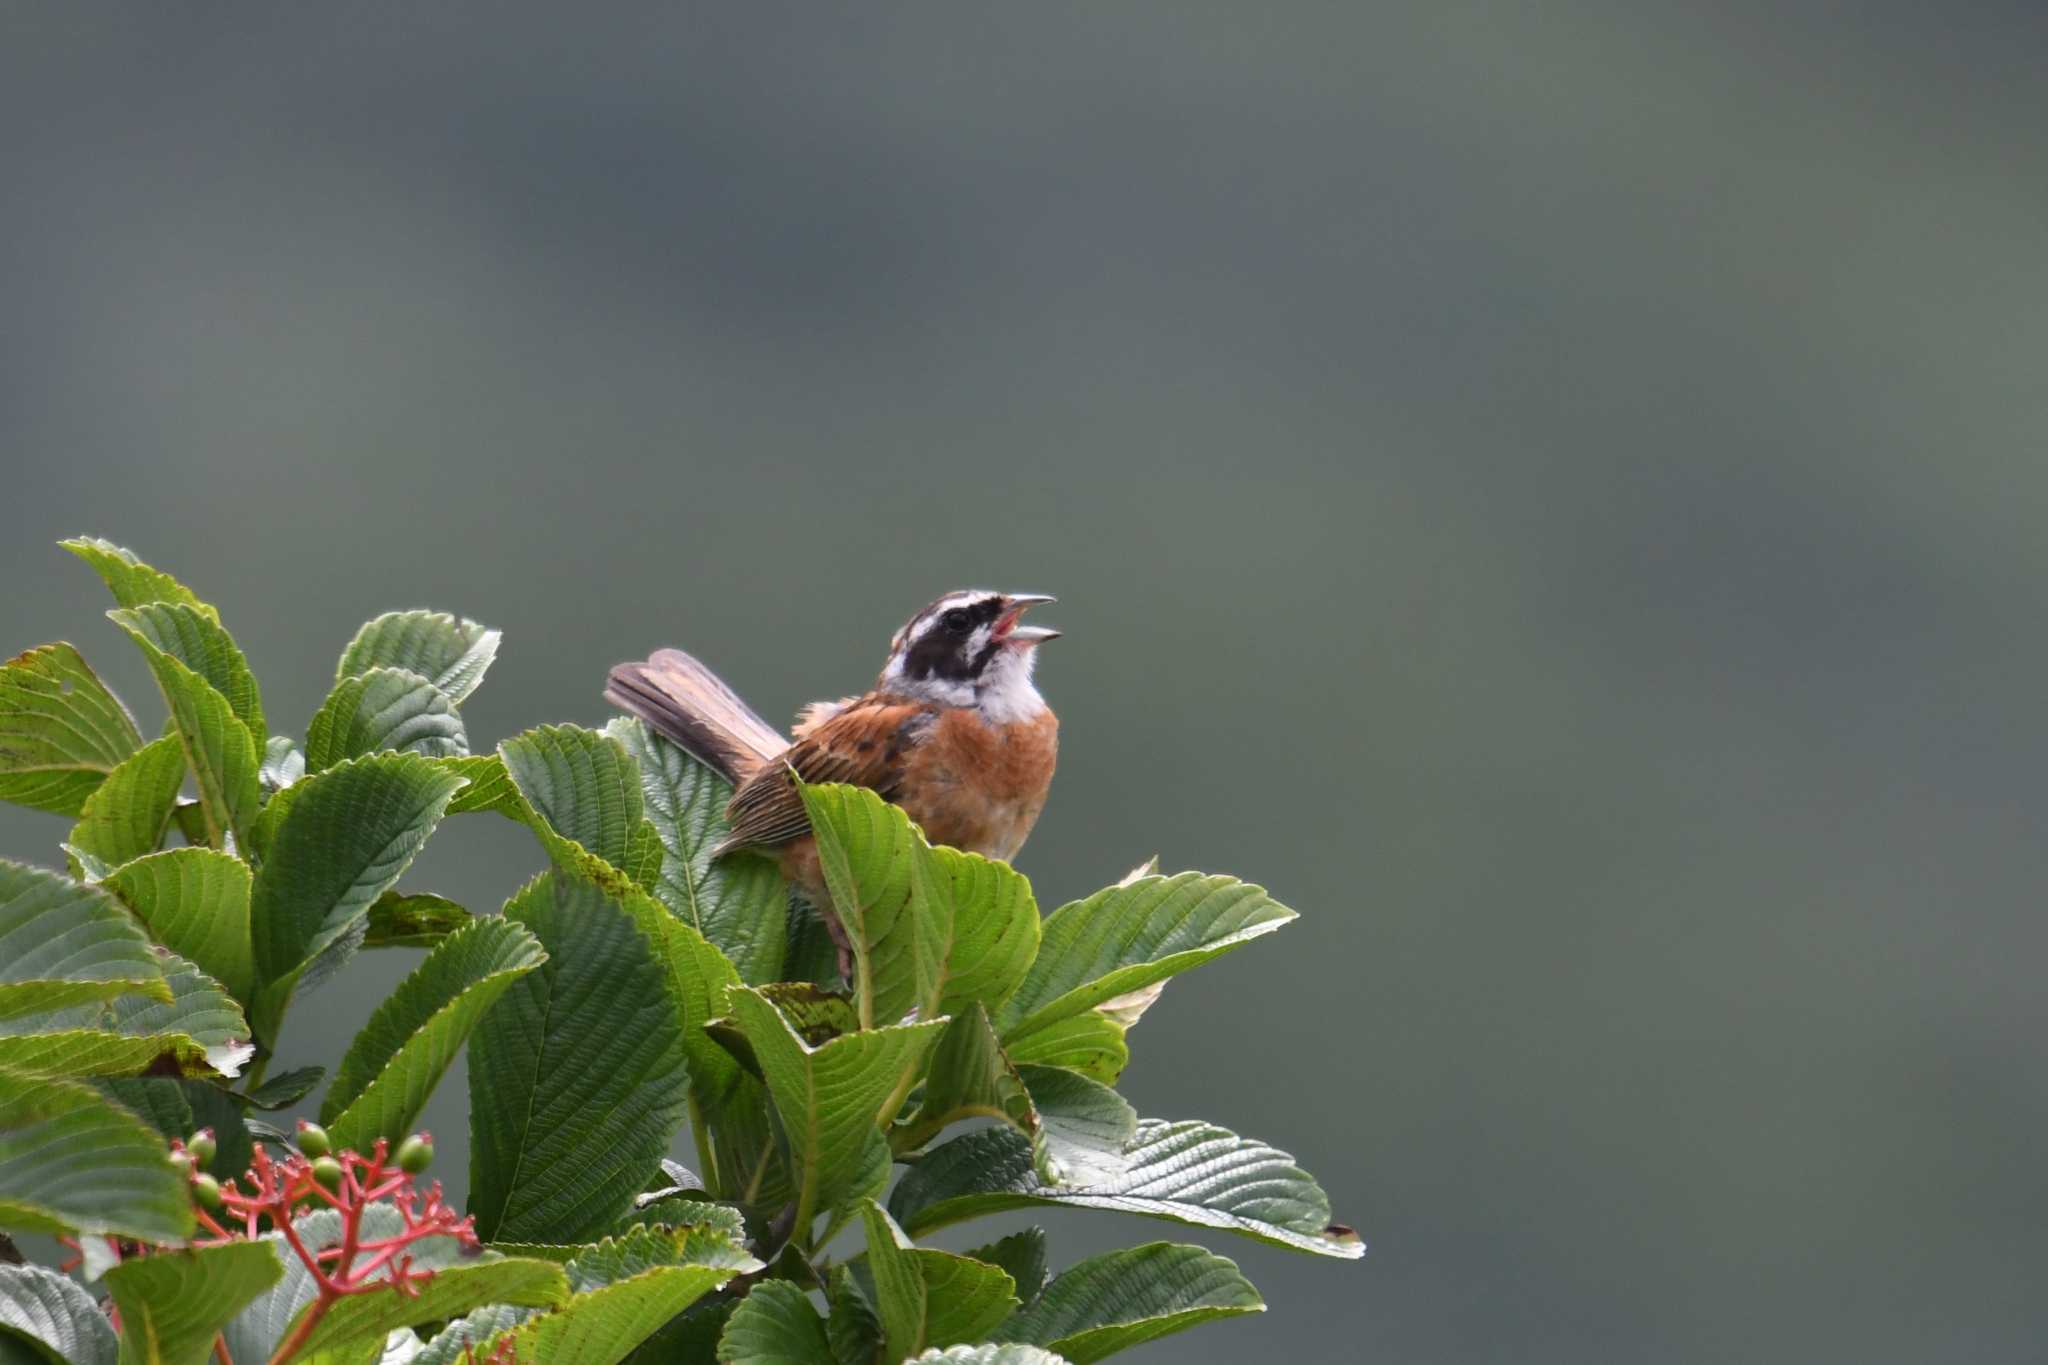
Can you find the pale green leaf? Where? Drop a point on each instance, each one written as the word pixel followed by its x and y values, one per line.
pixel 899 1291
pixel 1011 1353
pixel 925 1297
pixel 384 710
pixel 392 1067
pixel 1113 1302
pixel 968 1078
pixel 41 1306
pixel 775 1325
pixel 194 901
pixel 450 653
pixel 830 1097
pixel 198 1031
pixel 132 582
pixel 222 753
pixel 992 926
pixel 1129 936
pixel 416 919
pixel 129 813
pixel 61 730
pixel 197 640
pixel 1090 1042
pixel 1187 1172
pixel 738 903
pixel 866 851
pixel 1083 1128
pixel 576 1077
pixel 73 1161
pixel 174 1304
pixel 283 764
pixel 346 836
pixel 64 943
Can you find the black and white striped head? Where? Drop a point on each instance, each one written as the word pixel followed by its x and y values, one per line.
pixel 967 649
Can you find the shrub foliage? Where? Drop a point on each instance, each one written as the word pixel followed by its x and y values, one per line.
pixel 218 871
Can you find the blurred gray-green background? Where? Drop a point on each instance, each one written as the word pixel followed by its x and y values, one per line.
pixel 1554 492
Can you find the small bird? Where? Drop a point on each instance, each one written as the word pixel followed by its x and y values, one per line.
pixel 953 731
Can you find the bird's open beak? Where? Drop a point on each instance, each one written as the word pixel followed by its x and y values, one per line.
pixel 1010 633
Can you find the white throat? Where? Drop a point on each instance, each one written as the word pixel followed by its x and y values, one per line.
pixel 1006 693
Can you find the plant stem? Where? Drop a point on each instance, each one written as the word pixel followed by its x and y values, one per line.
pixel 707 1158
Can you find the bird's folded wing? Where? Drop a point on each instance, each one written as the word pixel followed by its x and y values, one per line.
pixel 864 744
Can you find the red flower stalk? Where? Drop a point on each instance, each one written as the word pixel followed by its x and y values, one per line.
pixel 347 1182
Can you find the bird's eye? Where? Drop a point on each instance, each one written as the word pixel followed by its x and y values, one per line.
pixel 957 620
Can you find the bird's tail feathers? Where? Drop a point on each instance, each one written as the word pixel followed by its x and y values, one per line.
pixel 688 703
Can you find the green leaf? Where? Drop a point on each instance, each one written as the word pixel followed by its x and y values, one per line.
pixel 775 1325
pixel 132 582
pixel 173 1304
pixel 63 943
pixel 739 904
pixel 198 1031
pixel 39 1305
pixel 283 764
pixel 394 1064
pixel 73 1161
pixel 1091 1043
pixel 1083 1128
pixel 194 901
pixel 490 787
pixel 969 1078
pixel 1113 1302
pixel 926 1297
pixel 850 1324
pixel 576 1077
pixel 1128 936
pixel 452 654
pixel 992 924
pixel 478 1327
pixel 358 1323
pixel 584 787
pixel 603 1326
pixel 830 1097
pixel 1008 1354
pixel 196 639
pixel 899 1290
pixel 286 1088
pixel 381 711
pixel 61 730
pixel 127 816
pixel 221 751
pixel 1187 1172
pixel 866 848
pixel 1022 1257
pixel 346 836
pixel 413 920
pixel 158 1101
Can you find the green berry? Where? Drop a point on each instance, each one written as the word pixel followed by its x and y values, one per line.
pixel 202 1147
pixel 206 1190
pixel 183 1163
pixel 415 1154
pixel 312 1139
pixel 327 1171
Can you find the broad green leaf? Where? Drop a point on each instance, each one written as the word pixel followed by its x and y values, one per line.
pixel 174 1304
pixel 158 1101
pixel 384 710
pixel 968 1078
pixel 61 730
pixel 63 943
pixel 992 923
pixel 477 1327
pixel 127 816
pixel 358 1323
pixel 132 582
pixel 413 920
pixel 1113 1302
pixel 197 640
pixel 1022 1257
pixel 73 1161
pixel 739 904
pixel 346 836
pixel 1083 1128
pixel 1188 1172
pixel 283 764
pixel 198 1031
pixel 1010 1353
pixel 583 786
pixel 394 1064
pixel 194 901
pixel 851 1326
pixel 452 654
pixel 1129 936
pixel 286 1088
pixel 925 1297
pixel 490 787
pixel 222 752
pixel 1090 1042
pixel 576 1077
pixel 603 1326
pixel 830 1097
pixel 775 1325
pixel 41 1306
pixel 866 852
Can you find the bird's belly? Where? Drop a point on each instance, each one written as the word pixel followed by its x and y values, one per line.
pixel 980 787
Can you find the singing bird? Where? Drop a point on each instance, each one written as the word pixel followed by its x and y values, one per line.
pixel 954 731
